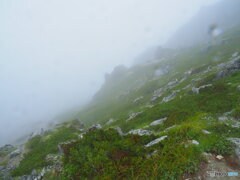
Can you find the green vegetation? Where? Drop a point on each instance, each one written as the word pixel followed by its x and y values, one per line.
pixel 40 147
pixel 107 155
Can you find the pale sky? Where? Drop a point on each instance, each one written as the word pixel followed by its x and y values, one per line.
pixel 54 53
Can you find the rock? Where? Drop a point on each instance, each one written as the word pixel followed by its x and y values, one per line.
pixel 14 153
pixel 171 96
pixel 205 132
pixel 81 135
pixel 95 127
pixel 6 147
pixel 169 128
pixel 223 118
pixel 34 172
pixel 159 92
pixel 228 67
pixel 110 121
pixel 137 99
pixel 156 141
pixel 195 142
pixel 160 121
pixel 197 90
pixel 236 141
pixel 238 87
pixel 140 132
pixel 133 115
pixel 219 157
pixel 119 130
pixel 39 132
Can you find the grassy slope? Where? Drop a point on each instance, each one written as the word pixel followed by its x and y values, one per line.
pixel 105 154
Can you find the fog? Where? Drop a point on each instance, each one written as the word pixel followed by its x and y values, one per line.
pixel 54 53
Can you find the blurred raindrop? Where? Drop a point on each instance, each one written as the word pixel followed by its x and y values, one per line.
pixel 214 30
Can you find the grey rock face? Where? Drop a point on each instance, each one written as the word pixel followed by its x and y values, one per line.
pixel 160 121
pixel 140 132
pixel 14 153
pixel 236 141
pixel 6 147
pixel 156 141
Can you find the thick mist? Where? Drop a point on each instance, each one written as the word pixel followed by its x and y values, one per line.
pixel 54 53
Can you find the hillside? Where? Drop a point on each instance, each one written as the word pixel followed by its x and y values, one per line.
pixel 171 118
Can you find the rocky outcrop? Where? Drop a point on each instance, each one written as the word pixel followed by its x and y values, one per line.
pixel 171 96
pixel 7 147
pixel 197 90
pixel 156 141
pixel 159 121
pixel 229 67
pixel 15 153
pixel 159 92
pixel 140 132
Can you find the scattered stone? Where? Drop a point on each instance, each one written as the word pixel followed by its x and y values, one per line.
pixel 156 141
pixel 14 153
pixel 157 122
pixel 197 90
pixel 205 132
pixel 171 96
pixel 219 157
pixel 140 132
pixel 133 115
pixel 236 141
pixel 6 147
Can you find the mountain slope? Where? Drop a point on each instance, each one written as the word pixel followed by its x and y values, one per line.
pixel 174 118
